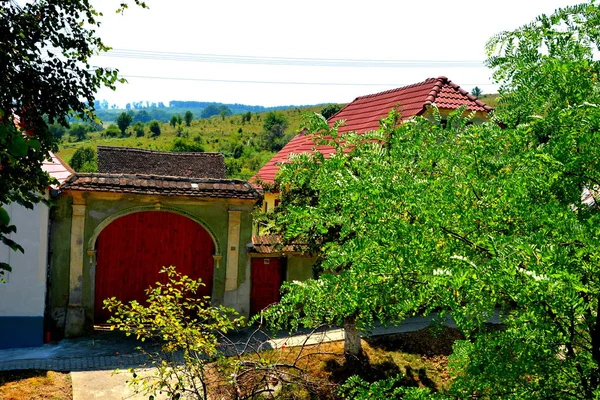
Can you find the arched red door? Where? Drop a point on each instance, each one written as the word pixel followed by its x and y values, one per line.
pixel 133 249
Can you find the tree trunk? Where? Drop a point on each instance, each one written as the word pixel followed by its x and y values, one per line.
pixel 353 351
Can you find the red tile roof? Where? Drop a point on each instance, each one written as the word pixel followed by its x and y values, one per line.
pixel 365 112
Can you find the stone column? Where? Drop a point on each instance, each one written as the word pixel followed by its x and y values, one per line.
pixel 233 250
pixel 75 313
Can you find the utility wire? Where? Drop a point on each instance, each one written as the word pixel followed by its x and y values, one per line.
pixel 282 82
pixel 304 61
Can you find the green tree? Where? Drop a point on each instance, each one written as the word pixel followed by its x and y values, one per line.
pixel 154 127
pixel 471 220
pixel 188 117
pixel 274 129
pixel 175 120
pixel 124 121
pixel 181 145
pixel 330 109
pixel 112 131
pixel 139 129
pixel 476 91
pixel 84 160
pixel 78 131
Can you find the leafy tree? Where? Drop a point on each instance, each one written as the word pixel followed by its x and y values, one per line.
pixel 154 127
pixel 273 131
pixel 180 145
pixel 139 129
pixel 471 220
pixel 84 160
pixel 124 121
pixel 246 117
pixel 142 116
pixel 330 109
pixel 188 117
pixel 78 131
pixel 112 131
pixel 175 120
pixel 57 130
pixel 476 91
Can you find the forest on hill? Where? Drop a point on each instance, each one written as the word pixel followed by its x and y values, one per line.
pixel 145 111
pixel 246 140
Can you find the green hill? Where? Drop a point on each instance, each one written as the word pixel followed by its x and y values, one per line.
pixel 241 138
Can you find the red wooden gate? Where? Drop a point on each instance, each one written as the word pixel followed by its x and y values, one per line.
pixel 266 278
pixel 133 249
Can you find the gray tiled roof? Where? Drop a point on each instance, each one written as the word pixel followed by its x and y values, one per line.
pixel 124 160
pixel 161 185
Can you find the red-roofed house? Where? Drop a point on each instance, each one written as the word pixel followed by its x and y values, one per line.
pixel 365 112
pixel 23 296
pixel 361 115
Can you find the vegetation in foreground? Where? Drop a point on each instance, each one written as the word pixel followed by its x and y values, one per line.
pixel 468 220
pixel 35 385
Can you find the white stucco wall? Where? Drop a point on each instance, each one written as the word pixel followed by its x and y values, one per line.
pixel 24 292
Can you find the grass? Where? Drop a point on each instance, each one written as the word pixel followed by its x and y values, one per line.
pixel 420 357
pixel 35 385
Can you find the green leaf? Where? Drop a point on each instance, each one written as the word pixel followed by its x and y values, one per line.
pixel 18 146
pixel 4 217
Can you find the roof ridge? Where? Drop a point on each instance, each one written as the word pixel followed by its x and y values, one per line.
pixel 395 90
pixel 441 81
pixel 154 176
pixel 134 149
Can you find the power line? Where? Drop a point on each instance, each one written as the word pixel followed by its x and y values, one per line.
pixel 282 82
pixel 290 61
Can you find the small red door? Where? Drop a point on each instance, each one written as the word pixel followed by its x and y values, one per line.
pixel 266 278
pixel 133 249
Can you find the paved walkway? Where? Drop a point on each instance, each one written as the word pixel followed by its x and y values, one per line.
pixel 92 360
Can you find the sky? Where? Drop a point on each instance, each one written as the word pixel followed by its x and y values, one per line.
pixel 270 53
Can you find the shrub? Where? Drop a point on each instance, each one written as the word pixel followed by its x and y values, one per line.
pixel 84 160
pixel 154 127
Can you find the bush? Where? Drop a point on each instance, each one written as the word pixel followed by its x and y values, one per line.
pixel 84 160
pixel 180 145
pixel 78 131
pixel 112 131
pixel 139 129
pixel 154 127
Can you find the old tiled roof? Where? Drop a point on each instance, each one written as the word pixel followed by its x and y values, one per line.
pixel 266 244
pixel 57 168
pixel 123 160
pixel 365 112
pixel 161 185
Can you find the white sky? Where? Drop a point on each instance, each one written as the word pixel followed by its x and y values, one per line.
pixel 436 31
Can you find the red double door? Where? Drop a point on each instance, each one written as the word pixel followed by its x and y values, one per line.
pixel 267 276
pixel 133 249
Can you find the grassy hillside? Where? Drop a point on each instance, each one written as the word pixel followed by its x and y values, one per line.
pixel 241 141
pixel 490 99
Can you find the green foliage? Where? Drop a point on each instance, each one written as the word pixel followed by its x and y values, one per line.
pixel 78 131
pixel 470 220
pixel 112 131
pixel 123 121
pixel 46 79
pixel 154 127
pixel 188 117
pixel 357 389
pixel 181 145
pixel 330 109
pixel 274 129
pixel 175 120
pixel 212 110
pixel 185 324
pixel 57 130
pixel 139 129
pixel 477 92
pixel 247 117
pixel 84 160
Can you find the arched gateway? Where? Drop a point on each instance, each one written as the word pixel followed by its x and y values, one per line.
pixel 133 249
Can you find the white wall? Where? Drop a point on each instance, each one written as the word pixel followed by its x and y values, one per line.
pixel 23 294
